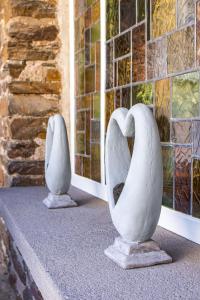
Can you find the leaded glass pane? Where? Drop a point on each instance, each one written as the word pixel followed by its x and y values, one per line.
pixel 87 88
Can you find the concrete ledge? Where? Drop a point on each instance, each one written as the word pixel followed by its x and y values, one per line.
pixel 64 250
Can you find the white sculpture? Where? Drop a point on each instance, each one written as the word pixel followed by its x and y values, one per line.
pixel 136 212
pixel 57 164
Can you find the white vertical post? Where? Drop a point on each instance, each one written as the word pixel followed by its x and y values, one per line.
pixel 103 82
pixel 72 83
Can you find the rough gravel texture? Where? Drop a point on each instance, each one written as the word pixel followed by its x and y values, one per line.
pixel 67 247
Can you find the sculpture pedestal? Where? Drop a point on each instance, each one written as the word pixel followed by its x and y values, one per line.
pixel 136 255
pixel 59 201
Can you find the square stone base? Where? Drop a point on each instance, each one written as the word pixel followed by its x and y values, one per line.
pixel 59 201
pixel 136 255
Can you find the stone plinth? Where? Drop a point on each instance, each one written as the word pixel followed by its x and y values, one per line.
pixel 136 255
pixel 59 201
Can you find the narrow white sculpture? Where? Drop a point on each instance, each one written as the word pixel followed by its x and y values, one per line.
pixel 136 212
pixel 57 164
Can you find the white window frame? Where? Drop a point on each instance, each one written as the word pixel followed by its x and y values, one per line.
pixel 179 223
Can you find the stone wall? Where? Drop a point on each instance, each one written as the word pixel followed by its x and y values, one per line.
pixel 30 86
pixel 5 289
pixel 16 273
pixel 20 277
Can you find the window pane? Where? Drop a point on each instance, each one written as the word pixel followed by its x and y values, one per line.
pixel 87 88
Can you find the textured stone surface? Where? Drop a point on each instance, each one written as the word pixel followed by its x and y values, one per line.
pixel 28 128
pixel 26 167
pixel 18 180
pixel 30 29
pixel 23 149
pixel 6 293
pixel 22 50
pixel 66 249
pixel 16 67
pixel 34 87
pixel 17 274
pixel 30 85
pixel 36 8
pixel 33 105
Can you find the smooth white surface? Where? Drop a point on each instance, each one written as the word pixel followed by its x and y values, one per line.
pixel 137 211
pixel 182 224
pixel 103 86
pixel 89 186
pixel 72 84
pixel 57 157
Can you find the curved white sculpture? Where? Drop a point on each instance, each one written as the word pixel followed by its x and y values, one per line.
pixel 136 213
pixel 57 164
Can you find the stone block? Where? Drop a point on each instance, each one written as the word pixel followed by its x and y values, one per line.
pixel 33 105
pixel 23 149
pixel 15 68
pixel 31 29
pixel 28 128
pixel 25 87
pixel 136 255
pixel 26 167
pixel 40 71
pixel 29 8
pixel 32 51
pixel 19 180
